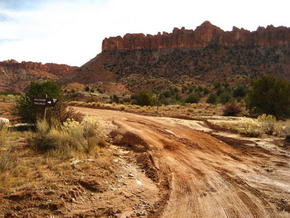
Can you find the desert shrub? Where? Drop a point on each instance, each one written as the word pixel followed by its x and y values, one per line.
pixel 68 139
pixel 286 131
pixel 144 98
pixel 267 123
pixel 248 127
pixel 115 99
pixel 62 113
pixel 193 98
pixel 205 91
pixel 87 89
pixel 25 108
pixel 8 161
pixel 217 85
pixel 232 109
pixel 30 112
pixel 166 94
pixel 212 99
pixel 224 97
pixel 264 124
pixel 270 95
pixel 239 92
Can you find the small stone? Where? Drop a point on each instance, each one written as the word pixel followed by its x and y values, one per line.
pixel 138 182
pixel 130 175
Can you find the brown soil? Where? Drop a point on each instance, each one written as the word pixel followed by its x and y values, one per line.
pixel 206 176
pixel 157 167
pixel 109 185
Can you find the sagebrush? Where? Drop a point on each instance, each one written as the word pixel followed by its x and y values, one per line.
pixel 68 139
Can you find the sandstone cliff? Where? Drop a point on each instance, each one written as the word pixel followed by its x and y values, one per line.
pixel 203 55
pixel 204 35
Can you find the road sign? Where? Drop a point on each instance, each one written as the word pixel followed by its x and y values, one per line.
pixel 46 102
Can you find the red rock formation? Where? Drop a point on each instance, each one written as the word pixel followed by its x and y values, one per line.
pixel 15 76
pixel 58 69
pixel 202 36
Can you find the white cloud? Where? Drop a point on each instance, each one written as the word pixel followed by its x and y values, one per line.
pixel 71 32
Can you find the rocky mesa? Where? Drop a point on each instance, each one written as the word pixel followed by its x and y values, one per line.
pixel 203 55
pixel 204 35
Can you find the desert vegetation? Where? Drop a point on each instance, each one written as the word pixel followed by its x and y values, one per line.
pixel 68 139
pixel 256 127
pixel 270 95
pixel 28 112
pixel 71 151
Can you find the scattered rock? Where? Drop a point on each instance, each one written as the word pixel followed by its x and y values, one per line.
pixel 130 175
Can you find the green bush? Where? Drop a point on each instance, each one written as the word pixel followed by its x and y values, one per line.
pixel 193 98
pixel 239 92
pixel 30 112
pixel 144 98
pixel 212 99
pixel 224 97
pixel 115 99
pixel 270 95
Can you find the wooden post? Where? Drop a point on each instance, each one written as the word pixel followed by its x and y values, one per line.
pixel 44 114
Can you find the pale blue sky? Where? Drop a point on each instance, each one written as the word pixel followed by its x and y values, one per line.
pixel 71 31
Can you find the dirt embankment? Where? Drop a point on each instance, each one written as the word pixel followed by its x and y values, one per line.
pixel 205 176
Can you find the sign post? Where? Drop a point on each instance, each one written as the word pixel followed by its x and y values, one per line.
pixel 45 102
pixel 44 114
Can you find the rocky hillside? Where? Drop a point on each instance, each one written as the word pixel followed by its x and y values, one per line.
pixel 181 58
pixel 14 76
pixel 190 57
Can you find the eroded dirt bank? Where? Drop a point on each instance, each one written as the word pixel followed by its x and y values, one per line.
pixel 207 176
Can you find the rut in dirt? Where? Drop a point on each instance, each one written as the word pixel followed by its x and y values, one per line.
pixel 208 178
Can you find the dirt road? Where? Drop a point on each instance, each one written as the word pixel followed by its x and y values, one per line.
pixel 209 177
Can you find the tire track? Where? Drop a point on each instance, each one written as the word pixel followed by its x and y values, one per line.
pixel 208 175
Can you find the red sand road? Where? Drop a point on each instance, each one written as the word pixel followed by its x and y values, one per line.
pixel 209 178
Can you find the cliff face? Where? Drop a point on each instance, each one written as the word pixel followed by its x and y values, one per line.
pixel 204 35
pixel 58 69
pixel 15 76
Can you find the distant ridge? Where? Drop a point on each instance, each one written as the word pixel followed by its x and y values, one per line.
pixel 202 36
pixel 15 76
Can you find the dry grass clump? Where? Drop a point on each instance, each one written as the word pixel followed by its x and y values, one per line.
pixel 9 98
pixel 286 131
pixel 264 124
pixel 8 160
pixel 68 140
pixel 3 136
pixel 169 110
pixel 268 123
pixel 247 127
pixel 250 128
